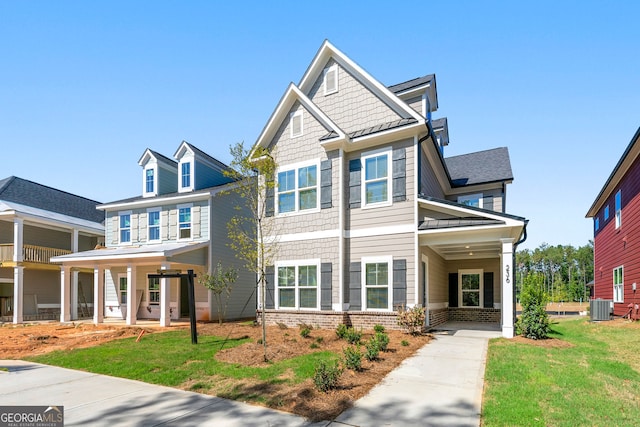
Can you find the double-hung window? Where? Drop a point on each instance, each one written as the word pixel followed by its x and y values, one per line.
pixel 377 178
pixel 618 284
pixel 185 175
pixel 470 287
pixel 298 189
pixel 184 221
pixel 149 180
pixel 298 284
pixel 125 227
pixel 122 283
pixel 376 283
pixel 153 224
pixel 154 291
pixel 618 209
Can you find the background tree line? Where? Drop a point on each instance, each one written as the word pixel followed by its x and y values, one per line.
pixel 564 270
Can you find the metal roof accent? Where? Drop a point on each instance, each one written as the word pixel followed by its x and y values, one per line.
pixel 373 129
pixel 432 224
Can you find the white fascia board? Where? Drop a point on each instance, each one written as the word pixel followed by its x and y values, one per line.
pixel 104 254
pixel 326 51
pixel 184 146
pixel 158 201
pixel 51 219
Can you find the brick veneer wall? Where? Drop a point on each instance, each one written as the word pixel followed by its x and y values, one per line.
pixel 438 316
pixel 482 315
pixel 331 319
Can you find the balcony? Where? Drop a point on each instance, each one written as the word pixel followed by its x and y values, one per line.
pixel 31 254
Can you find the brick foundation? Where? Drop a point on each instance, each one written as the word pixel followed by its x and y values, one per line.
pixel 438 316
pixel 331 319
pixel 481 315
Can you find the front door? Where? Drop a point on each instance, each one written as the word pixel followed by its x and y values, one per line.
pixel 184 297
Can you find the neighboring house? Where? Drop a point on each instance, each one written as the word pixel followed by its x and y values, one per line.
pixel 36 223
pixel 373 216
pixel 178 223
pixel 616 243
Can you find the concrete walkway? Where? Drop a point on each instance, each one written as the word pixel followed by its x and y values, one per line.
pixel 440 386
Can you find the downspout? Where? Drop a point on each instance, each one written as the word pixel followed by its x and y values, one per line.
pixel 515 248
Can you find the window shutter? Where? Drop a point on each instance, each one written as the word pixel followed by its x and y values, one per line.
pixel 196 222
pixel 325 184
pixel 354 183
pixel 488 289
pixel 355 286
pixel 399 282
pixel 164 228
pixel 270 277
pixel 144 226
pixel 134 228
pixel 269 208
pixel 453 289
pixel 325 286
pixel 399 175
pixel 115 229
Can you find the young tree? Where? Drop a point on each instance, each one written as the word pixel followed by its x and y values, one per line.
pixel 252 234
pixel 534 320
pixel 220 283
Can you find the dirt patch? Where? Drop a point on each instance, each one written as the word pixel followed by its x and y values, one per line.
pixel 546 343
pixel 19 341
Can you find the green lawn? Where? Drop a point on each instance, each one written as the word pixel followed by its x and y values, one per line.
pixel 593 381
pixel 170 359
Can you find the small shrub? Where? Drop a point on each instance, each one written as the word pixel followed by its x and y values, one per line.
pixel 404 343
pixel 412 319
pixel 326 375
pixel 305 332
pixel 314 345
pixel 303 325
pixel 534 322
pixel 378 328
pixel 282 325
pixel 353 336
pixel 341 330
pixel 383 340
pixel 372 349
pixel 259 341
pixel 353 358
pixel 319 340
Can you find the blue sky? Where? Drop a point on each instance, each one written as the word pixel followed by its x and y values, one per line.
pixel 86 87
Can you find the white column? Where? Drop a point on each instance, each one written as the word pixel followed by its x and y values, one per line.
pixel 132 303
pixel 74 294
pixel 18 227
pixel 18 293
pixel 165 298
pixel 507 282
pixel 65 294
pixel 98 295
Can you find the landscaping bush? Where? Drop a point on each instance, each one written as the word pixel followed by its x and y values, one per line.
pixel 341 330
pixel 305 332
pixel 383 340
pixel 378 328
pixel 326 375
pixel 534 322
pixel 352 336
pixel 372 349
pixel 404 343
pixel 412 319
pixel 353 358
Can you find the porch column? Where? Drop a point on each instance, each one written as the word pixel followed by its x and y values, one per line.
pixel 165 298
pixel 18 226
pixel 98 295
pixel 506 261
pixel 18 293
pixel 74 277
pixel 65 294
pixel 132 299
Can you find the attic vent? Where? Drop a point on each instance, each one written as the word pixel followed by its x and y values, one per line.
pixel 601 309
pixel 331 79
pixel 296 123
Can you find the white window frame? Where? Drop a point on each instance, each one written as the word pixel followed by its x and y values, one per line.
pixel 363 273
pixel 297 288
pixel 331 69
pixel 296 190
pixel 618 288
pixel 618 209
pixel 184 206
pixel 471 197
pixel 363 176
pixel 192 175
pixel 153 192
pixel 121 291
pixel 159 211
pixel 119 231
pixel 149 291
pixel 292 117
pixel 480 273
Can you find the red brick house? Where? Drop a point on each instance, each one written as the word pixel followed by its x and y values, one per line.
pixel 616 229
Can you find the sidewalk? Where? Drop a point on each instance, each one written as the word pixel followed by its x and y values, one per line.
pixel 440 386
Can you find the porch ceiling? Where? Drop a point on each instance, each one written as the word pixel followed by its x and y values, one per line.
pixel 468 243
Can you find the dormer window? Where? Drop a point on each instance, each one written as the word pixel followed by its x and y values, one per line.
pixel 149 181
pixel 331 79
pixel 295 124
pixel 186 176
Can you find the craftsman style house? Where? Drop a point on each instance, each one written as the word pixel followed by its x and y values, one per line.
pixel 36 223
pixel 179 222
pixel 616 243
pixel 373 216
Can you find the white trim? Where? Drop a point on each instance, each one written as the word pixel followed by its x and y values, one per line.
pixel 380 231
pixel 296 264
pixel 150 166
pixel 438 305
pixel 187 159
pixel 471 271
pixel 52 219
pixel 346 234
pixel 310 235
pixel 341 221
pixel 295 167
pixel 159 210
pixel 425 298
pixel 189 197
pixel 331 69
pixel 119 291
pixel 184 206
pixel 621 285
pixel 4 280
pixel 119 230
pixel 388 259
pixel 292 118
pixel 387 151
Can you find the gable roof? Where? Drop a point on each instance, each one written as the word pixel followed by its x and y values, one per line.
pixel 481 167
pixel 629 156
pixel 32 194
pixel 199 153
pixel 398 88
pixel 159 157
